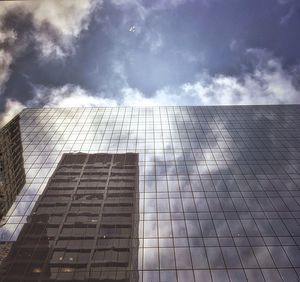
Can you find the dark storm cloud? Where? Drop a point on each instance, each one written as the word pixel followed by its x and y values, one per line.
pixel 149 46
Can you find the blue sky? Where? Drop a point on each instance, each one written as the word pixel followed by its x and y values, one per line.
pixel 140 52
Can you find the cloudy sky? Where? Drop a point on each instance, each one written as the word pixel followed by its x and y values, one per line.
pixel 140 52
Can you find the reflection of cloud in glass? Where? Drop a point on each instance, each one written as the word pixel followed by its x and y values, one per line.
pixel 216 183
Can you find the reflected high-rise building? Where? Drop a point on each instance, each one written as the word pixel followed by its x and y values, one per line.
pixel 218 195
pixel 12 173
pixel 82 226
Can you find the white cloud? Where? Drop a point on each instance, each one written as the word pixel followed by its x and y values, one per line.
pixel 8 36
pixel 135 14
pixel 12 108
pixel 152 6
pixel 68 96
pixel 270 84
pixel 166 4
pixel 5 62
pixel 68 17
pixel 133 97
pixel 153 40
pixel 56 25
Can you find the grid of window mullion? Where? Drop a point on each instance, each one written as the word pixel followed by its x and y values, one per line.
pixel 235 146
pixel 160 240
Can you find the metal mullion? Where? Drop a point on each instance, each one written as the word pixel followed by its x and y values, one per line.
pixel 51 249
pixel 100 218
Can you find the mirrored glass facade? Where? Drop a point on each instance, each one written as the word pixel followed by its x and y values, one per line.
pixel 12 173
pixel 218 191
pixel 82 226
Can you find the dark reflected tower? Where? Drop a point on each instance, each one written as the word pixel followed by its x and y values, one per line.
pixel 82 227
pixel 12 172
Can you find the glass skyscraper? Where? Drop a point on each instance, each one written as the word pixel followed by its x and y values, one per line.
pixel 82 226
pixel 12 173
pixel 218 187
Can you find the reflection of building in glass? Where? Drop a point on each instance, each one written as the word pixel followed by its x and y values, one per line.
pixel 4 250
pixel 218 187
pixel 82 225
pixel 12 173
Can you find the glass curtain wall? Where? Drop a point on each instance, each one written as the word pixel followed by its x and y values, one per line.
pixel 218 195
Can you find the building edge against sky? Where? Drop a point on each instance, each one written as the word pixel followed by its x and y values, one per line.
pixel 216 183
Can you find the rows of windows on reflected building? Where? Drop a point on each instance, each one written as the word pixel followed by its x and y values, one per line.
pixel 82 224
pixel 12 173
pixel 218 191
